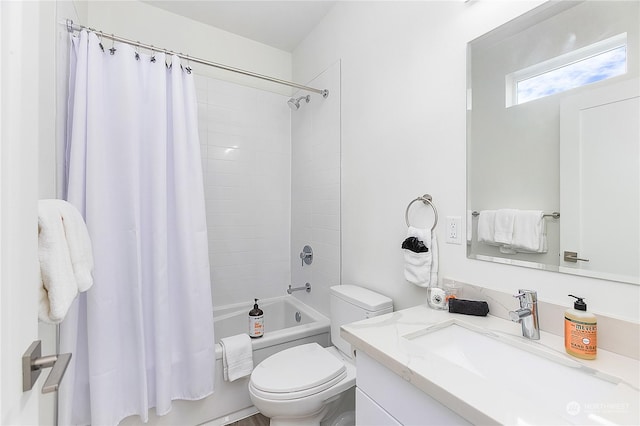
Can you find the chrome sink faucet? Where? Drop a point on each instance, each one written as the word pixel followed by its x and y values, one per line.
pixel 527 315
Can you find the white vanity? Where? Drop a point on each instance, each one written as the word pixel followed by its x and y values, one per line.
pixel 385 398
pixel 420 366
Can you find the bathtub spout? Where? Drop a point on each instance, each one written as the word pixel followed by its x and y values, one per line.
pixel 306 287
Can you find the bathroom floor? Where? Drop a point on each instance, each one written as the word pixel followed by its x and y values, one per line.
pixel 255 420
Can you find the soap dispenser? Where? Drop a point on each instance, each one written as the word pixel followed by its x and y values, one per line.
pixel 256 321
pixel 580 331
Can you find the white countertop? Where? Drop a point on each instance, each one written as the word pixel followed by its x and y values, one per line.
pixel 474 397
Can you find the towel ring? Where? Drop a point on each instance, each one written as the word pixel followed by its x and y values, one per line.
pixel 427 199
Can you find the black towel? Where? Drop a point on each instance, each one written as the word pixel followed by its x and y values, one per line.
pixel 468 307
pixel 415 245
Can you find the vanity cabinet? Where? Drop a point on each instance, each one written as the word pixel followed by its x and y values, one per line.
pixel 385 399
pixel 369 413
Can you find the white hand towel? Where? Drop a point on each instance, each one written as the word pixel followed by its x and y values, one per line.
pixel 503 226
pixel 486 229
pixel 422 234
pixel 529 232
pixel 421 268
pixel 237 356
pixel 417 268
pixel 66 262
pixel 433 248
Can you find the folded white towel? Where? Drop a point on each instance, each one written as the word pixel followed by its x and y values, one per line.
pixel 513 231
pixel 486 229
pixel 529 232
pixel 237 356
pixel 421 269
pixel 503 226
pixel 65 255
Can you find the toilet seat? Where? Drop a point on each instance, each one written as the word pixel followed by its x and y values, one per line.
pixel 297 372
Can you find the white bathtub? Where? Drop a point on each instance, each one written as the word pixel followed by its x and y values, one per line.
pixel 230 400
pixel 280 322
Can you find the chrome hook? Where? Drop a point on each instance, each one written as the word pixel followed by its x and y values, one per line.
pixel 137 50
pixel 153 54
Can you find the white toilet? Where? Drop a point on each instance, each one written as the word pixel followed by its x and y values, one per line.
pixel 303 385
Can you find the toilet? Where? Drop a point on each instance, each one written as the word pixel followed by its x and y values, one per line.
pixel 303 385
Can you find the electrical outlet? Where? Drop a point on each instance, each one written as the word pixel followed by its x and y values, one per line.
pixel 453 230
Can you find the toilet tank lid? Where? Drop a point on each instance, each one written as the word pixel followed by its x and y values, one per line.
pixel 362 297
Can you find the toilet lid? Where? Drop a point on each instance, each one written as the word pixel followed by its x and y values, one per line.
pixel 301 368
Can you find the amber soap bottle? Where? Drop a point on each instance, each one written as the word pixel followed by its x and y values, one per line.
pixel 580 331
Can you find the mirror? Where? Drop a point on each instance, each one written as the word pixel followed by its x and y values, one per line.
pixel 553 127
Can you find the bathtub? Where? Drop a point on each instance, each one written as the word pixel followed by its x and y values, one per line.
pixel 280 322
pixel 230 401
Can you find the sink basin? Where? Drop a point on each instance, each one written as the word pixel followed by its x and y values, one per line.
pixel 510 367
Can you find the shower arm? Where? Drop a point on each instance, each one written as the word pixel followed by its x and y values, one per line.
pixel 71 27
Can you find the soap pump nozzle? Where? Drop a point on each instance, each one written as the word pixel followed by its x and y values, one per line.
pixel 579 304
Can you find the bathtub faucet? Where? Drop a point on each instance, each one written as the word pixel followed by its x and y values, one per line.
pixel 306 287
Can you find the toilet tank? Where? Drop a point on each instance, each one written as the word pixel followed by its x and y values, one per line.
pixel 349 303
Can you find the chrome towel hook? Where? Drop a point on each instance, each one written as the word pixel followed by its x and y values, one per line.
pixel 426 199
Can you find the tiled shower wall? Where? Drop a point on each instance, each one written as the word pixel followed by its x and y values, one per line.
pixel 315 170
pixel 246 156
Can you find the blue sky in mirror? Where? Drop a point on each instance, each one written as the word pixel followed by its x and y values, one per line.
pixel 580 73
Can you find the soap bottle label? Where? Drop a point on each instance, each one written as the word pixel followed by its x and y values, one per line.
pixel 581 337
pixel 256 326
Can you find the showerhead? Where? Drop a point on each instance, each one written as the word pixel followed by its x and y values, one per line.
pixel 294 104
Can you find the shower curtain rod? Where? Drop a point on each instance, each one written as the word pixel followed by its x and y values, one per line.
pixel 77 27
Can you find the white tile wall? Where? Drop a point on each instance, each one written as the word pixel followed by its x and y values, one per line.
pixel 315 219
pixel 246 157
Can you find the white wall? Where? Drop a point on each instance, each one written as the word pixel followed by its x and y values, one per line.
pixel 139 21
pixel 403 68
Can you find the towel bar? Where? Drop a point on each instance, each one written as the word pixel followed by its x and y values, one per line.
pixel 426 199
pixel 555 215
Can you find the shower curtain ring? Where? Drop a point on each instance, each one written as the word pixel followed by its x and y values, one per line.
pixel 100 42
pixel 113 49
pixel 188 68
pixel 153 54
pixel 137 51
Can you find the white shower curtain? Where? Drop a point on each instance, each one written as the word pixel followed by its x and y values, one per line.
pixel 143 335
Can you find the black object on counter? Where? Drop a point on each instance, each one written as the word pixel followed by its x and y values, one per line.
pixel 468 307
